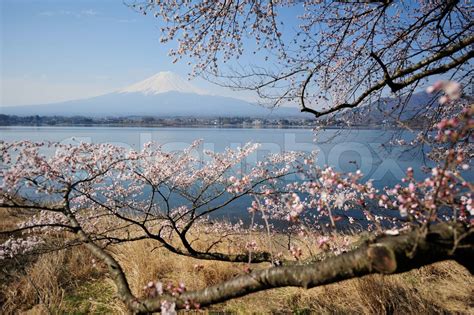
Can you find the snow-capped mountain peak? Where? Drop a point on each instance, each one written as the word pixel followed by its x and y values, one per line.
pixel 162 82
pixel 163 95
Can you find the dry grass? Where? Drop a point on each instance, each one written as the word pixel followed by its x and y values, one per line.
pixel 48 280
pixel 68 282
pixel 52 282
pixel 441 288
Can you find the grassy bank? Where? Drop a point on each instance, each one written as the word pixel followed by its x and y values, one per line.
pixel 71 281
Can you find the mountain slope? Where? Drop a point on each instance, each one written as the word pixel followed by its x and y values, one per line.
pixel 165 104
pixel 389 110
pixel 168 95
pixel 164 94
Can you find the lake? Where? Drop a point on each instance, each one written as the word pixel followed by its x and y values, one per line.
pixel 345 150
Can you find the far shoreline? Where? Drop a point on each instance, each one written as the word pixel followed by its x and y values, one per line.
pixel 2 126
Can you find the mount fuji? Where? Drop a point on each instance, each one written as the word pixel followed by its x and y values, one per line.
pixel 162 82
pixel 165 94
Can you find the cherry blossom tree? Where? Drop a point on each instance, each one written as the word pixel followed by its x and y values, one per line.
pixel 117 195
pixel 341 56
pixel 99 195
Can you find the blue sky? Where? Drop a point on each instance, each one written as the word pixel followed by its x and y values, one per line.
pixel 54 50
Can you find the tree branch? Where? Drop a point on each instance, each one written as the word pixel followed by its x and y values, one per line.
pixel 448 52
pixel 388 79
pixel 385 255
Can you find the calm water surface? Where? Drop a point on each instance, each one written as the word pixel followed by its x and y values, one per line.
pixel 345 150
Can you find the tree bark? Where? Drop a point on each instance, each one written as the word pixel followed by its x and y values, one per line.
pixel 385 255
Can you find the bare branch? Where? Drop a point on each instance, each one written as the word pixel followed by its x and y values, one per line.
pixel 448 52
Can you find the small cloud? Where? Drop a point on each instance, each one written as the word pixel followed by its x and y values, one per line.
pixel 78 14
pixel 46 13
pixel 125 20
pixel 89 12
pixel 86 13
pixel 64 12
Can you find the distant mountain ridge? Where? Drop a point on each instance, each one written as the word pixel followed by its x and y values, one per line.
pixel 411 108
pixel 165 94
